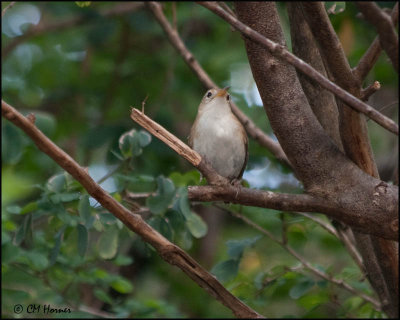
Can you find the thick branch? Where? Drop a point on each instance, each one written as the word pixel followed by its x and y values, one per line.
pixel 280 51
pixel 321 27
pixel 167 250
pixel 370 57
pixel 387 34
pixel 253 131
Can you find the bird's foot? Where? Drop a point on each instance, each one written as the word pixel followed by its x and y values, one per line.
pixel 237 184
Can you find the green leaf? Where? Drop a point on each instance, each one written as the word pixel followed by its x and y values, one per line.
pixel 236 247
pixel 38 260
pixel 188 178
pixel 56 249
pixel 196 225
pixel 56 183
pixel 144 138
pixel 159 203
pixel 165 229
pixel 122 260
pixel 311 301
pixel 83 4
pixel 132 142
pixel 108 243
pixel 23 229
pixel 103 296
pixel 84 209
pixel 46 122
pixel 31 206
pixel 301 288
pixel 82 240
pixel 125 143
pixel 226 270
pixel 14 209
pixel 11 144
pixel 122 286
pixel 69 196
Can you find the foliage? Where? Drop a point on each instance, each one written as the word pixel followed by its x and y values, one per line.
pixel 59 247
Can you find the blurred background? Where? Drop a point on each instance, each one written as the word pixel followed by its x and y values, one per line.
pixel 80 67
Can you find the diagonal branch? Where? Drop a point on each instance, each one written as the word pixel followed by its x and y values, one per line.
pixel 281 52
pixel 167 250
pixel 370 57
pixel 9 6
pixel 387 34
pixel 253 131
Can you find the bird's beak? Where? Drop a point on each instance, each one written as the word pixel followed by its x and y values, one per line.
pixel 222 92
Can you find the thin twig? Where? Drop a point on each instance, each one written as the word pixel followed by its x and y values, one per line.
pixel 308 265
pixel 226 7
pixel 144 102
pixel 327 226
pixel 176 41
pixel 370 90
pixel 3 12
pixel 281 52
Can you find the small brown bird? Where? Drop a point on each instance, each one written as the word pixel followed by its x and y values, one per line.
pixel 218 135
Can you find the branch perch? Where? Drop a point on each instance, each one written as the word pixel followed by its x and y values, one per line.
pixel 167 250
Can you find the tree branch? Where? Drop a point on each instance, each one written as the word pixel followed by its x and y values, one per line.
pixel 370 57
pixel 387 34
pixel 9 6
pixel 167 250
pixel 329 43
pixel 174 38
pixel 370 90
pixel 280 51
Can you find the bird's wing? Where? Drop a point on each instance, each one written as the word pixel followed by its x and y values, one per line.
pixel 246 144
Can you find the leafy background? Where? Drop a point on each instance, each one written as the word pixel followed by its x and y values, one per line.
pixel 59 247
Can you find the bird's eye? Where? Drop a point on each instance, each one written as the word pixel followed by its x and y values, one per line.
pixel 227 97
pixel 209 94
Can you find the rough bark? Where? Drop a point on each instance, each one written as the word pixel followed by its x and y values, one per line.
pixel 321 166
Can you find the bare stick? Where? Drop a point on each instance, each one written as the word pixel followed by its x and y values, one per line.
pixel 281 52
pixel 178 146
pixel 167 250
pixel 253 131
pixel 370 57
pixel 370 90
pixel 3 12
pixel 387 34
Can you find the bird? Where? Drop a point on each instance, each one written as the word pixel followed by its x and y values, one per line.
pixel 219 137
